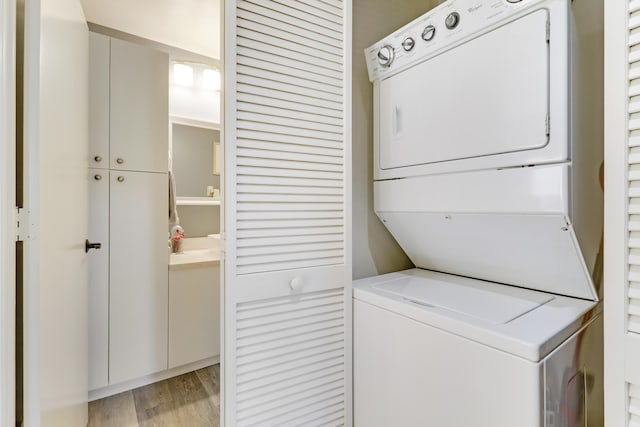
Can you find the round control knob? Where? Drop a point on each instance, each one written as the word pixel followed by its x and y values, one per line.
pixel 408 43
pixel 452 20
pixel 385 55
pixel 429 33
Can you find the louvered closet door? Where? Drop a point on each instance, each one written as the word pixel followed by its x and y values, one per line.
pixel 622 214
pixel 287 296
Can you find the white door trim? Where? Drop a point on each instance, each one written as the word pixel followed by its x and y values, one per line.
pixel 7 210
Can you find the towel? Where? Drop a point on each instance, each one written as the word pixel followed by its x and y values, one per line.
pixel 173 209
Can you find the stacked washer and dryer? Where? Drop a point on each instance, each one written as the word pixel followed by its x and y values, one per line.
pixel 487 155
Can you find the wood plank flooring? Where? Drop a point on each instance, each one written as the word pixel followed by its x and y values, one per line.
pixel 189 400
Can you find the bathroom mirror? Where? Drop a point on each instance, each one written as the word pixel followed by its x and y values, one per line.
pixel 194 161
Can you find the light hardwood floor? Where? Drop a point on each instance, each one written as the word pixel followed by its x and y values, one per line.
pixel 189 400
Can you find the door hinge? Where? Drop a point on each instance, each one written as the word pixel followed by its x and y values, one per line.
pixel 547 125
pixel 22 224
pixel 548 31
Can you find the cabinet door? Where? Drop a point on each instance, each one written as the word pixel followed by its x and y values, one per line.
pixel 139 108
pixel 194 314
pixel 138 275
pixel 99 47
pixel 99 279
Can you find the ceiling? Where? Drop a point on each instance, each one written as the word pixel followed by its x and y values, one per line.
pixel 190 25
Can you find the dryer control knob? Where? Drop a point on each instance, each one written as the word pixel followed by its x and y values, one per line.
pixel 408 43
pixel 429 33
pixel 452 20
pixel 385 55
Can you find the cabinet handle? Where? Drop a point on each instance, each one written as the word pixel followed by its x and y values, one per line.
pixel 121 179
pixel 97 177
pixel 97 158
pixel 119 160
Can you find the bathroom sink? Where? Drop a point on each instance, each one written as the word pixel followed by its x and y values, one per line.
pixel 196 250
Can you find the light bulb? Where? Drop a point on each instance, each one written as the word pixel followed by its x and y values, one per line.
pixel 211 79
pixel 182 74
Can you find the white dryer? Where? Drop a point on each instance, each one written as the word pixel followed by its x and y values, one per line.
pixel 487 154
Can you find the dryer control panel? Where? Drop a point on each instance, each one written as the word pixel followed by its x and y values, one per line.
pixel 451 23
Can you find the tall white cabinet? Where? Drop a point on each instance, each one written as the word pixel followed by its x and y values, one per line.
pixel 128 152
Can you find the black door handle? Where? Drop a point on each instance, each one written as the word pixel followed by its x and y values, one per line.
pixel 88 245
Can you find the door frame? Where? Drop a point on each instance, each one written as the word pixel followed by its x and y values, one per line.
pixel 31 198
pixel 7 210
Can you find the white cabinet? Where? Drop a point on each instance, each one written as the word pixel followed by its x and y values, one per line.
pixel 128 294
pixel 194 317
pixel 99 278
pixel 138 272
pixel 99 48
pixel 138 108
pixel 128 106
pixel 128 278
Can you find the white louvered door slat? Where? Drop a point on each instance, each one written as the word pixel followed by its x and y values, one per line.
pixel 287 303
pixel 622 213
pixel 634 405
pixel 633 159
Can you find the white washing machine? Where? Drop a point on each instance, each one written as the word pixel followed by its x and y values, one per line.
pixel 487 160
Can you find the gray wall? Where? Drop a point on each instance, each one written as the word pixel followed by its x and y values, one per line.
pixel 374 250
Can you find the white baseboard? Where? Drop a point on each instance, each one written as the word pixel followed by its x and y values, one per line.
pixel 112 389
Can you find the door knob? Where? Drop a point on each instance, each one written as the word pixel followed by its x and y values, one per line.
pixel 97 177
pixel 296 283
pixel 121 179
pixel 88 245
pixel 119 160
pixel 97 158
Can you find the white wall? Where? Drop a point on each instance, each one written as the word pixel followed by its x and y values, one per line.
pixel 374 249
pixel 192 25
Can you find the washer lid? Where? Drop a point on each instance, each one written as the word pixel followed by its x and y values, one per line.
pixel 526 323
pixel 474 298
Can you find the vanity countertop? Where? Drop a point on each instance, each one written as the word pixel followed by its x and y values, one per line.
pixel 197 251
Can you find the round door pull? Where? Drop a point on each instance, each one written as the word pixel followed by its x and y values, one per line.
pixel 97 158
pixel 296 283
pixel 97 177
pixel 121 179
pixel 119 160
